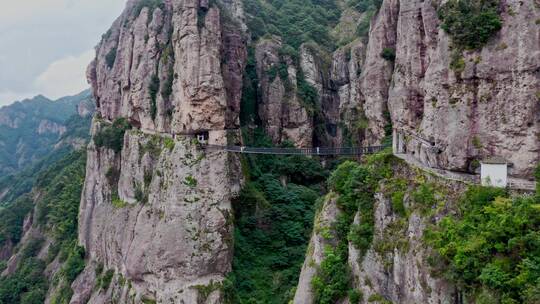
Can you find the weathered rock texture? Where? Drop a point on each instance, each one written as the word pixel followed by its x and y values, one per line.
pixel 158 212
pixel 177 67
pixel 490 108
pixel 281 112
pixel 173 68
pixel 394 268
pixel 320 238
pixel 168 232
pixel 451 119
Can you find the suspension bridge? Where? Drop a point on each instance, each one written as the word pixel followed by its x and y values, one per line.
pixel 351 151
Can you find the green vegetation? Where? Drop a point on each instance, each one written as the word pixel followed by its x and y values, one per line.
pixel 273 222
pixel 118 203
pixel 308 94
pixel 476 142
pixel 56 211
pixel 104 281
pixel 537 176
pixel 355 296
pixel 23 147
pixel 167 87
pixel 112 136
pixel 190 181
pixel 389 54
pixel 355 185
pixel 110 58
pixel 169 143
pixel 248 105
pixel 491 248
pixel 153 89
pixel 27 285
pixel 11 219
pixel 296 21
pixel 72 267
pixel 470 23
pixel 377 298
pixel 206 290
pixel 457 62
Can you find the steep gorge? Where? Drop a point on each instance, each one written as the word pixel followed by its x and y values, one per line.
pixel 162 220
pixel 176 68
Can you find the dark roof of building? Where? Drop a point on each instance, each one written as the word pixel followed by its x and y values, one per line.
pixel 495 160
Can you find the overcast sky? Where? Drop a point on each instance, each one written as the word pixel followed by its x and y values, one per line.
pixel 45 45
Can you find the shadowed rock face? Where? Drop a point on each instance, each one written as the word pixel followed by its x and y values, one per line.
pixel 281 112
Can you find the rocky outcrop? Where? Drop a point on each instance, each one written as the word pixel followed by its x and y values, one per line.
pixel 6 250
pixel 283 115
pixel 162 221
pixel 158 213
pixel 320 238
pixel 488 109
pixel 394 267
pixel 162 67
pixel 399 274
pixel 10 122
pixel 47 126
pixel 348 114
pixel 377 72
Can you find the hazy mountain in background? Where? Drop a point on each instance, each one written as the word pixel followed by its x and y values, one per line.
pixel 31 128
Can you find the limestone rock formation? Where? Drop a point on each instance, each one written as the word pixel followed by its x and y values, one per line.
pixel 163 225
pixel 47 126
pixel 490 108
pixel 315 254
pixel 394 267
pixel 161 67
pixel 157 214
pixel 282 114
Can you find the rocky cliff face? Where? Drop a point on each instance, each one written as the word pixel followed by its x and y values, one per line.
pixel 488 108
pixel 281 112
pixel 452 118
pixel 172 66
pixel 156 216
pixel 155 212
pixel 394 267
pixel 161 221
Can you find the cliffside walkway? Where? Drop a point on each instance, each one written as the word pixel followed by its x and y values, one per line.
pixel 299 151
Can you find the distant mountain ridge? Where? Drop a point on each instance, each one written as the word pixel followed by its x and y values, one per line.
pixel 31 128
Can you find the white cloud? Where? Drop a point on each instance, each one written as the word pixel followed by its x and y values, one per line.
pixel 65 77
pixel 34 34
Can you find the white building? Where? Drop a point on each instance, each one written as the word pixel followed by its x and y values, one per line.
pixel 494 172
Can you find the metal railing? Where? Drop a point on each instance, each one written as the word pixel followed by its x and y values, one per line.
pixel 298 151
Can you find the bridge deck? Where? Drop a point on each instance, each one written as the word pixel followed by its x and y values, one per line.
pixel 299 151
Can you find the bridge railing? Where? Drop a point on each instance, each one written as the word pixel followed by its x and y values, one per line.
pixel 298 151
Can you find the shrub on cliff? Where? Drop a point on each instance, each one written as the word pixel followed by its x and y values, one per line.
pixel 492 249
pixel 389 54
pixel 110 58
pixel 537 176
pixel 470 23
pixel 112 136
pixel 296 21
pixel 355 184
